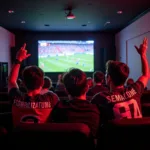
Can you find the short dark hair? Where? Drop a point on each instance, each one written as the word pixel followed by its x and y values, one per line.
pixel 75 82
pixel 118 72
pixel 33 77
pixel 98 76
pixel 47 82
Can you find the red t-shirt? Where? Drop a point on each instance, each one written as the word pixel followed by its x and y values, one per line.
pixel 31 109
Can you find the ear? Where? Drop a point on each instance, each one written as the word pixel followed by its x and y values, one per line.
pixel 108 79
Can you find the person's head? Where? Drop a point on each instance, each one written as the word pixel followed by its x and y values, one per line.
pixel 116 73
pixel 33 77
pixel 98 77
pixel 89 82
pixel 47 83
pixel 60 77
pixel 130 81
pixel 75 82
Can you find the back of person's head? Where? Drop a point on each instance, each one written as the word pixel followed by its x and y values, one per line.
pixel 130 81
pixel 33 77
pixel 98 77
pixel 90 82
pixel 47 83
pixel 75 82
pixel 60 79
pixel 118 72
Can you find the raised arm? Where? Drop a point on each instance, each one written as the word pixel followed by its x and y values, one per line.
pixel 144 62
pixel 21 55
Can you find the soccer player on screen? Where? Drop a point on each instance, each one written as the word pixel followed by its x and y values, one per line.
pixel 121 101
pixel 91 70
pixel 56 56
pixel 42 65
pixel 77 61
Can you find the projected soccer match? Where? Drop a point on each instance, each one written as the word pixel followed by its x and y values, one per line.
pixel 59 56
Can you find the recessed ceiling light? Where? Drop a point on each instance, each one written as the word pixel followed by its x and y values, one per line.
pixel 89 22
pixel 10 11
pixel 23 22
pixel 46 25
pixel 108 22
pixel 119 12
pixel 84 25
pixel 70 16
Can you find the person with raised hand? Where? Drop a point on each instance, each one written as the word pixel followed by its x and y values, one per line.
pixel 20 56
pixel 32 106
pixel 120 101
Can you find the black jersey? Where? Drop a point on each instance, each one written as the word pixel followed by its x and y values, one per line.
pixel 120 103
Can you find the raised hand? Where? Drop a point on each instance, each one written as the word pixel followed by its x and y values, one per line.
pixel 143 47
pixel 22 53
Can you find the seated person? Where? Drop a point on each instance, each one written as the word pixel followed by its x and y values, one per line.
pixel 60 89
pixel 78 109
pixel 90 82
pixel 98 78
pixel 31 106
pixel 122 102
pixel 60 86
pixel 47 87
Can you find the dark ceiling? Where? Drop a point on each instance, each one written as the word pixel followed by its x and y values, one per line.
pixel 91 15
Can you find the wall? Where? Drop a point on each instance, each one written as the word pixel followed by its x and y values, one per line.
pixel 7 40
pixel 139 27
pixel 125 41
pixel 104 45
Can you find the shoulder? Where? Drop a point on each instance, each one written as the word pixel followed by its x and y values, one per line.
pixel 101 97
pixel 14 92
pixel 138 86
pixel 49 94
pixel 94 108
pixel 54 95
